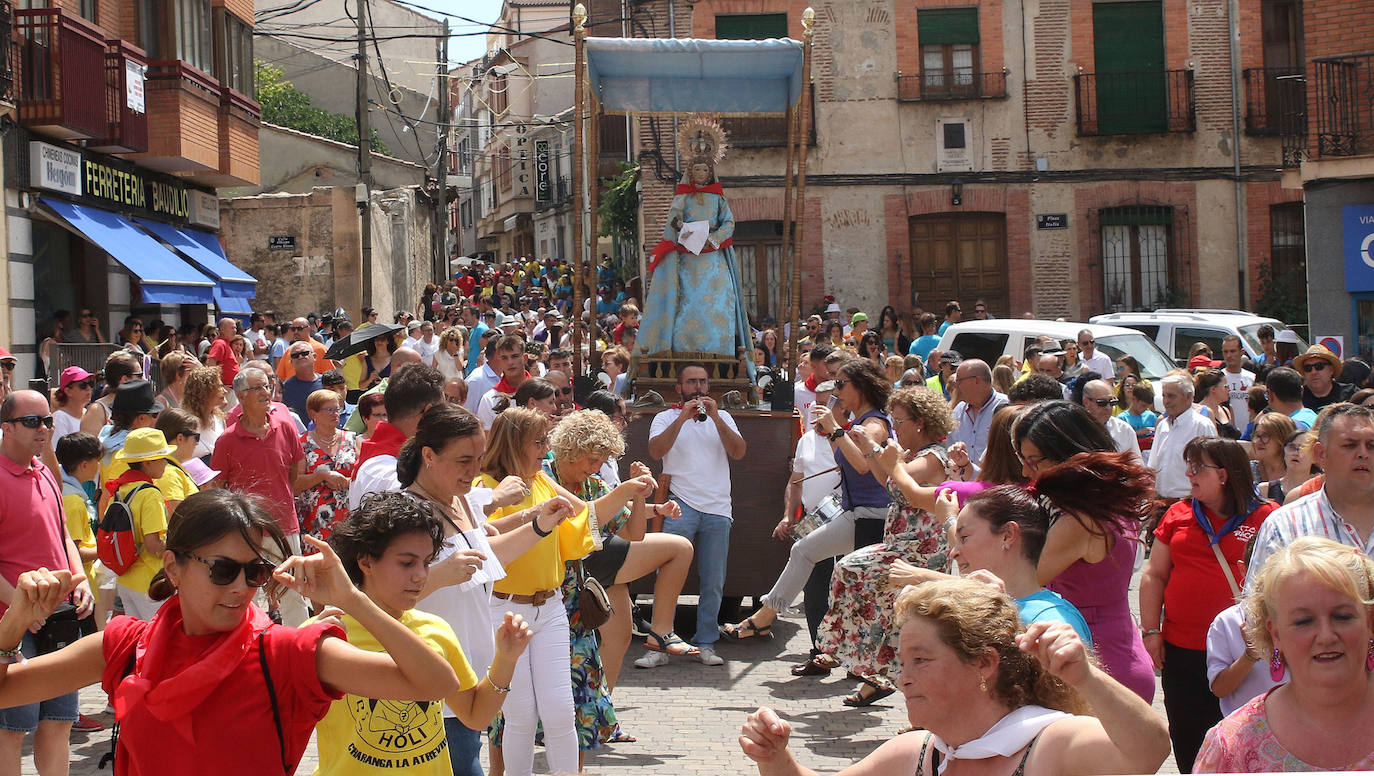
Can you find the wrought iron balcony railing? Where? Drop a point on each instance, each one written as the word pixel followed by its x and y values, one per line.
pixel 1135 103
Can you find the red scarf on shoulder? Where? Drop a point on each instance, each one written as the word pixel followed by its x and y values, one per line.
pixel 386 440
pixel 668 246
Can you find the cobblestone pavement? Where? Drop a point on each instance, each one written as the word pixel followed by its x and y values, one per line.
pixel 687 715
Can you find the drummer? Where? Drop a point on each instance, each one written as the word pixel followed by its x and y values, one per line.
pixel 815 479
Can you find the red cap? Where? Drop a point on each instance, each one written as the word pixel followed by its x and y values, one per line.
pixel 1202 361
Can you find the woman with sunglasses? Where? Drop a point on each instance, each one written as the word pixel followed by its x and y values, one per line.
pixel 330 456
pixel 121 367
pixel 193 687
pixel 69 401
pixel 1098 498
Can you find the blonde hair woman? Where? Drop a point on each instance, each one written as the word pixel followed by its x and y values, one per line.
pixel 204 397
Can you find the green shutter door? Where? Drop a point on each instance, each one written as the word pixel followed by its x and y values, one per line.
pixel 1128 46
pixel 751 26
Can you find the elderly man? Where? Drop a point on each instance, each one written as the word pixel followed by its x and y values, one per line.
pixel 1048 364
pixel 33 534
pixel 221 355
pixel 299 331
pixel 1180 425
pixel 1343 510
pixel 563 391
pixel 298 387
pixel 455 390
pixel 1319 368
pixel 1098 401
pixel 978 402
pixel 260 453
pixel 1090 358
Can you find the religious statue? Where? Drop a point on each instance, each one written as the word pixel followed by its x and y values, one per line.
pixel 694 303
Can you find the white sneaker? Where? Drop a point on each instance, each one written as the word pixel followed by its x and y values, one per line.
pixel 652 659
pixel 709 657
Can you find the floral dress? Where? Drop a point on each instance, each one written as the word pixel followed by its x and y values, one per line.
pixel 857 630
pixel 593 712
pixel 320 507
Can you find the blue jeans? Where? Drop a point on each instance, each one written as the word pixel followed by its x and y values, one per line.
pixel 464 747
pixel 710 535
pixel 25 719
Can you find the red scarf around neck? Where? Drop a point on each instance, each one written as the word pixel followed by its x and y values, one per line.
pixel 505 387
pixel 132 475
pixel 386 440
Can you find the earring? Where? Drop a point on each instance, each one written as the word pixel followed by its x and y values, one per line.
pixel 982 684
pixel 1276 665
pixel 1369 656
pixel 1005 546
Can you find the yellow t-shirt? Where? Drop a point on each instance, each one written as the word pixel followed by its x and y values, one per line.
pixel 541 567
pixel 176 484
pixel 366 736
pixel 150 517
pixel 79 516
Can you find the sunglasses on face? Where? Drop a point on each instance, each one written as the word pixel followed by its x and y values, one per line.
pixel 32 421
pixel 300 355
pixel 84 385
pixel 1100 402
pixel 1085 343
pixel 1314 366
pixel 224 571
pixel 565 391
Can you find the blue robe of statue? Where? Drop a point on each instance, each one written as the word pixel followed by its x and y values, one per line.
pixel 694 303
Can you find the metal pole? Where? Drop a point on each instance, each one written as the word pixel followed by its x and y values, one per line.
pixel 593 201
pixel 364 160
pixel 440 261
pixel 575 265
pixel 1233 38
pixel 808 22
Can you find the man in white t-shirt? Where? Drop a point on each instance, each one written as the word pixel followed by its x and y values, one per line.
pixel 427 345
pixel 1179 425
pixel 509 359
pixel 1092 360
pixel 256 334
pixel 1098 401
pixel 1238 380
pixel 696 441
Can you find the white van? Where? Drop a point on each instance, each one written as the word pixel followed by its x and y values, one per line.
pixel 1175 331
pixel 992 339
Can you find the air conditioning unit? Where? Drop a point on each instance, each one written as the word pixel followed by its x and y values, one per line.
pixel 953 145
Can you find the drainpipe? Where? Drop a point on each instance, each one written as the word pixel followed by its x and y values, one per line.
pixel 1242 266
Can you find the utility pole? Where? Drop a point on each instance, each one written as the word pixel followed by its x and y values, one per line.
pixel 441 166
pixel 363 195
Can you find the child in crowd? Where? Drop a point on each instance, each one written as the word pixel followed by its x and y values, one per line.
pixel 1140 416
pixel 145 452
pixel 79 456
pixel 629 319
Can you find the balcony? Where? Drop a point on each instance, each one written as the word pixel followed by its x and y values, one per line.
pixel 6 52
pixel 1134 103
pixel 939 86
pixel 1276 106
pixel 126 108
pixel 61 63
pixel 1343 104
pixel 766 131
pixel 239 119
pixel 560 192
pixel 183 106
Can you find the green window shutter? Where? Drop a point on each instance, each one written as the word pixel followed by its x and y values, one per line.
pixel 947 25
pixel 751 26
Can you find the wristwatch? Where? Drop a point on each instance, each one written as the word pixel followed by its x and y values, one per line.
pixel 835 435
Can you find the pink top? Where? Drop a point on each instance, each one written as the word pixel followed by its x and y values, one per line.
pixel 262 466
pixel 1244 743
pixel 33 531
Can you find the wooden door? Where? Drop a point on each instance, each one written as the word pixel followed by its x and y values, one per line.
pixel 1128 51
pixel 960 256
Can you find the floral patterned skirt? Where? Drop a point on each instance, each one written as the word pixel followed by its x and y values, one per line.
pixel 857 630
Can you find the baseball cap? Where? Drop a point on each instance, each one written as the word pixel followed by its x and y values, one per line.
pixel 858 317
pixel 1203 361
pixel 73 374
pixel 951 357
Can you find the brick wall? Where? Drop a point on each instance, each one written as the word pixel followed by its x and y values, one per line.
pixel 990 48
pixel 1258 199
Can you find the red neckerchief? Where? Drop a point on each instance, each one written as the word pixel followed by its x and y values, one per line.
pixel 132 475
pixel 505 387
pixel 386 440
pixel 668 246
pixel 173 699
pixel 692 188
pixel 811 382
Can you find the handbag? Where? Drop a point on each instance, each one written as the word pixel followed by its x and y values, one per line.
pixel 592 601
pixel 62 627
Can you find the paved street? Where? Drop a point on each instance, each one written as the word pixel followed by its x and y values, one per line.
pixel 687 715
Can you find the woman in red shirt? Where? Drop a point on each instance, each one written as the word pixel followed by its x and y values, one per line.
pixel 1187 584
pixel 211 686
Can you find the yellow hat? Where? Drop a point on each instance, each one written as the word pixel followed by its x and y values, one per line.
pixel 144 444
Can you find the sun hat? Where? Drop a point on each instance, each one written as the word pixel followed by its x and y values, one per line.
pixel 144 444
pixel 1287 336
pixel 833 308
pixel 858 317
pixel 72 374
pixel 1319 351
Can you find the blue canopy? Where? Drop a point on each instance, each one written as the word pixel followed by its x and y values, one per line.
pixel 164 276
pixel 232 305
pixel 204 251
pixel 672 75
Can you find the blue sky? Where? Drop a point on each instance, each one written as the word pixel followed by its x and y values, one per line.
pixel 465 45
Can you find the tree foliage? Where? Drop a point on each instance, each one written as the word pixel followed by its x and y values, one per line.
pixel 618 210
pixel 285 105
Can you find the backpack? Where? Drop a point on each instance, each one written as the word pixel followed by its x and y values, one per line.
pixel 114 537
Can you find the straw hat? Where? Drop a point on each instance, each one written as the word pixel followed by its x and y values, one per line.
pixel 1319 351
pixel 144 444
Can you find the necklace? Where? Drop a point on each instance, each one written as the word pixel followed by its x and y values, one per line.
pixel 447 509
pixel 329 444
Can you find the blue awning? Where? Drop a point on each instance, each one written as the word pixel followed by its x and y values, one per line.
pixel 671 75
pixel 204 251
pixel 232 305
pixel 165 277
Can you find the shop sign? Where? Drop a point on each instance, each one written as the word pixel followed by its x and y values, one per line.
pixel 1357 231
pixel 511 222
pixel 55 168
pixel 204 209
pixel 133 85
pixel 542 190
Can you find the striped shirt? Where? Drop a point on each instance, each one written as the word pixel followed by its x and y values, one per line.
pixel 1308 516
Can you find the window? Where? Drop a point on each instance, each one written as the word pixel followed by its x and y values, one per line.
pixel 497 94
pixel 949 51
pixel 751 26
pixel 1287 241
pixel 465 214
pixel 758 249
pixel 1136 257
pixel 985 346
pixel 89 11
pixel 501 169
pixel 1185 337
pixel 234 52
pixel 178 29
pixel 463 157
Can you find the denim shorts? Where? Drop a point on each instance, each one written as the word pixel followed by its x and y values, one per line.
pixel 25 719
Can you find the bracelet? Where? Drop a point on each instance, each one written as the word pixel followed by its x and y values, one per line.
pixel 1150 632
pixel 873 453
pixel 8 656
pixel 497 687
pixel 534 524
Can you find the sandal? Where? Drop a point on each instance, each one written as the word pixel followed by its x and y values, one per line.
pixel 818 665
pixel 859 700
pixel 621 737
pixel 738 632
pixel 656 643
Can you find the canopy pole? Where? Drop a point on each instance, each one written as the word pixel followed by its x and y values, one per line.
pixel 787 225
pixel 593 201
pixel 799 214
pixel 579 16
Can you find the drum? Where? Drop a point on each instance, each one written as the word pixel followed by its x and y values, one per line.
pixel 827 510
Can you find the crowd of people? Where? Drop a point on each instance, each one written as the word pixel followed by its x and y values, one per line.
pixel 411 539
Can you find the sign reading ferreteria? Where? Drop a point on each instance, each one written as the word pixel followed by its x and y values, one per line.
pixel 105 181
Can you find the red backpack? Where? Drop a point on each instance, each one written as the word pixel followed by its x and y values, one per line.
pixel 115 542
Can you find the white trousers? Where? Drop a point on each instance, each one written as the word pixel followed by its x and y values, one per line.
pixel 540 691
pixel 137 605
pixel 292 606
pixel 834 538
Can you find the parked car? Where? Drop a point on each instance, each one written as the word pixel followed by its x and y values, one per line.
pixel 991 339
pixel 1175 330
